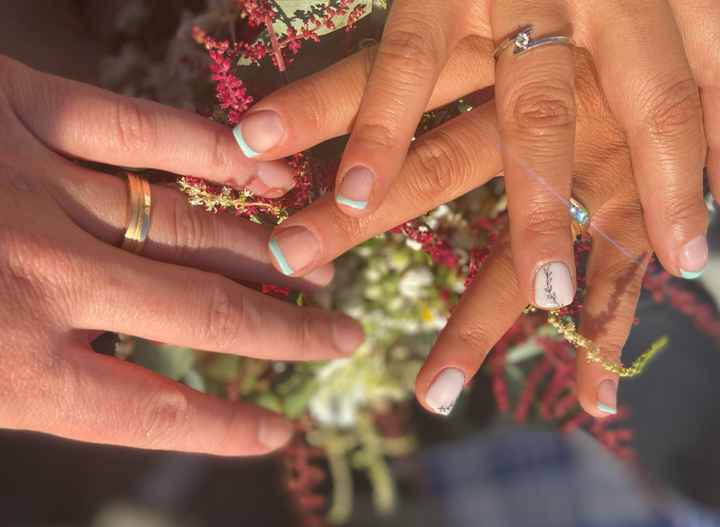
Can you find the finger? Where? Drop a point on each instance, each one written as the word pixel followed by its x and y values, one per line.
pixel 324 105
pixel 535 94
pixel 699 23
pixel 82 121
pixel 100 399
pixel 179 233
pixel 618 260
pixel 466 341
pixel 129 294
pixel 654 96
pixel 412 52
pixel 442 165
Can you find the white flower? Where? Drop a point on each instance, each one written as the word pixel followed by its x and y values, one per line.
pixel 414 282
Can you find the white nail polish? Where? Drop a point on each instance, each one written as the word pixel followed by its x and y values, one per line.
pixel 445 390
pixel 553 286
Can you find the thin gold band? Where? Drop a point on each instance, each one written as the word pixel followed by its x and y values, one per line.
pixel 580 218
pixel 139 207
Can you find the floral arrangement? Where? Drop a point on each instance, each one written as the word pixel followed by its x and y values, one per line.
pixel 352 413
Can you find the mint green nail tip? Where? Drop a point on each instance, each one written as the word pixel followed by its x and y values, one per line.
pixel 280 257
pixel 249 152
pixel 690 275
pixel 352 203
pixel 604 408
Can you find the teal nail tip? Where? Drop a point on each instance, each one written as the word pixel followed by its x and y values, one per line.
pixel 280 258
pixel 690 275
pixel 249 152
pixel 604 408
pixel 352 203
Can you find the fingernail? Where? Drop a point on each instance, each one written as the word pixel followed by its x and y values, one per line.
pixel 261 189
pixel 294 249
pixel 607 397
pixel 259 132
pixel 355 188
pixel 445 390
pixel 274 431
pixel 693 258
pixel 348 334
pixel 553 286
pixel 276 175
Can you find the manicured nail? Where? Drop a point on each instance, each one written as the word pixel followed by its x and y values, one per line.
pixel 348 334
pixel 274 431
pixel 445 390
pixel 693 258
pixel 259 132
pixel 607 397
pixel 294 249
pixel 259 188
pixel 276 175
pixel 553 286
pixel 355 188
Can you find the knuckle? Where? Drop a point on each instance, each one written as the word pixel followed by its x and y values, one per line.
pixel 542 220
pixel 674 108
pixel 540 108
pixel 188 231
pixel 135 130
pixel 440 165
pixel 35 267
pixel 165 417
pixel 477 338
pixel 410 52
pixel 219 155
pixel 305 335
pixel 226 317
pixel 376 136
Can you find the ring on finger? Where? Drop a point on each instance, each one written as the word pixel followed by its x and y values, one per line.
pixel 522 42
pixel 139 208
pixel 580 217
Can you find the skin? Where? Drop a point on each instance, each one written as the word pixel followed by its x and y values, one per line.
pixel 459 156
pixel 63 279
pixel 654 64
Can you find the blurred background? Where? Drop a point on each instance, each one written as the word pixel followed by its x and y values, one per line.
pixel 476 468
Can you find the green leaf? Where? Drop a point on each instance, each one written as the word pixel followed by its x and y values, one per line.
pixel 296 403
pixel 195 381
pixel 222 368
pixel 171 361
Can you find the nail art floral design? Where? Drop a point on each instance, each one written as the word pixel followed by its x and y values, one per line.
pixel 550 294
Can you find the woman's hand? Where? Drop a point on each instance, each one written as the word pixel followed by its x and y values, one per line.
pixel 639 48
pixel 453 159
pixel 62 279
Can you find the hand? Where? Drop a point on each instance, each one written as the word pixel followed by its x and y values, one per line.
pixel 452 160
pixel 62 280
pixel 651 87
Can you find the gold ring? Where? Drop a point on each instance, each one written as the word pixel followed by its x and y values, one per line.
pixel 139 205
pixel 580 217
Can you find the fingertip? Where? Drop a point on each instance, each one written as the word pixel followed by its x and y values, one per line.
pixel 274 431
pixel 441 395
pixel 354 190
pixel 258 132
pixel 294 249
pixel 694 257
pixel 321 276
pixel 348 334
pixel 553 286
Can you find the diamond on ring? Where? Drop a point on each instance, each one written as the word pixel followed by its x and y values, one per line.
pixel 522 40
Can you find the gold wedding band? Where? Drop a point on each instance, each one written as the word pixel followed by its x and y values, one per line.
pixel 580 217
pixel 139 205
